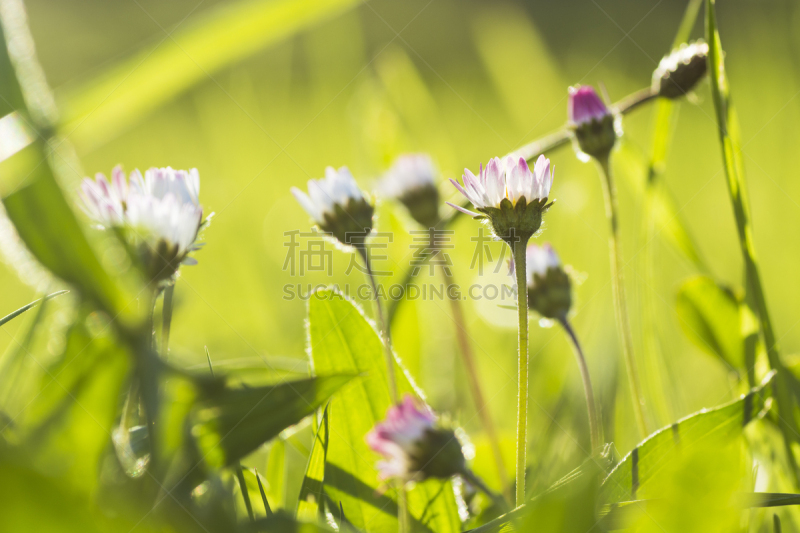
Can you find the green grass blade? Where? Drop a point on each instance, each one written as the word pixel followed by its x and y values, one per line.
pixel 33 199
pixel 101 108
pixel 310 503
pixel 245 492
pixel 267 508
pixel 630 478
pixel 730 142
pixel 24 308
pixel 342 340
pixel 710 315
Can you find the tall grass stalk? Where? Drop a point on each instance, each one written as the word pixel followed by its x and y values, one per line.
pixel 618 281
pixel 729 137
pixel 468 358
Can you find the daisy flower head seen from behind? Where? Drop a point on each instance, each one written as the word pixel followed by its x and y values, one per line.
pixel 338 206
pixel 507 193
pixel 159 214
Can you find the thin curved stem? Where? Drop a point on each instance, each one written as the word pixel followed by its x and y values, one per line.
pixel 166 319
pixel 562 136
pixel 468 357
pixel 632 101
pixel 473 479
pixel 383 325
pixel 594 420
pixel 620 306
pixel 520 267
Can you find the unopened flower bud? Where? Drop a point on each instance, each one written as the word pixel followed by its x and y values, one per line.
pixel 412 181
pixel 679 71
pixel 338 206
pixel 414 446
pixel 592 121
pixel 511 196
pixel 549 291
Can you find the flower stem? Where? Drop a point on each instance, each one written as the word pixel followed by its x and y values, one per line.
pixel 402 504
pixel 594 420
pixel 518 249
pixel 166 317
pixel 497 499
pixel 468 357
pixel 383 325
pixel 623 322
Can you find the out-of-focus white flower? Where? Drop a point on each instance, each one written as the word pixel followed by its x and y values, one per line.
pixel 161 211
pixel 412 181
pixel 539 259
pixel 548 285
pixel 678 72
pixel 413 446
pixel 338 206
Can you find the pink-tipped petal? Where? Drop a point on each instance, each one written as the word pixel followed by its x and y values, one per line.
pixel 463 210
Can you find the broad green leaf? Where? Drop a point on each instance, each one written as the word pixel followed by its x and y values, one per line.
pixel 230 423
pixel 622 514
pixel 101 108
pixel 33 500
pixel 342 340
pixel 710 315
pixel 631 477
pixel 24 308
pixel 310 503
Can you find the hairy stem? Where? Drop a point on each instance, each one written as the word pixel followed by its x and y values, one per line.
pixel 594 420
pixel 383 325
pixel 166 319
pixel 518 249
pixel 402 504
pixel 623 321
pixel 468 357
pixel 469 476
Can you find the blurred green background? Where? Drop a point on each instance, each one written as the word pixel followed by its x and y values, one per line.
pixel 464 81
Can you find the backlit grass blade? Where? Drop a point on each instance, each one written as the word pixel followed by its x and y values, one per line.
pixel 730 141
pixel 24 308
pixel 100 109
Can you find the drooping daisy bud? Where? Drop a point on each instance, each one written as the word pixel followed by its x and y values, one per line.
pixel 592 121
pixel 509 195
pixel 678 72
pixel 159 215
pixel 412 181
pixel 338 206
pixel 549 291
pixel 414 446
